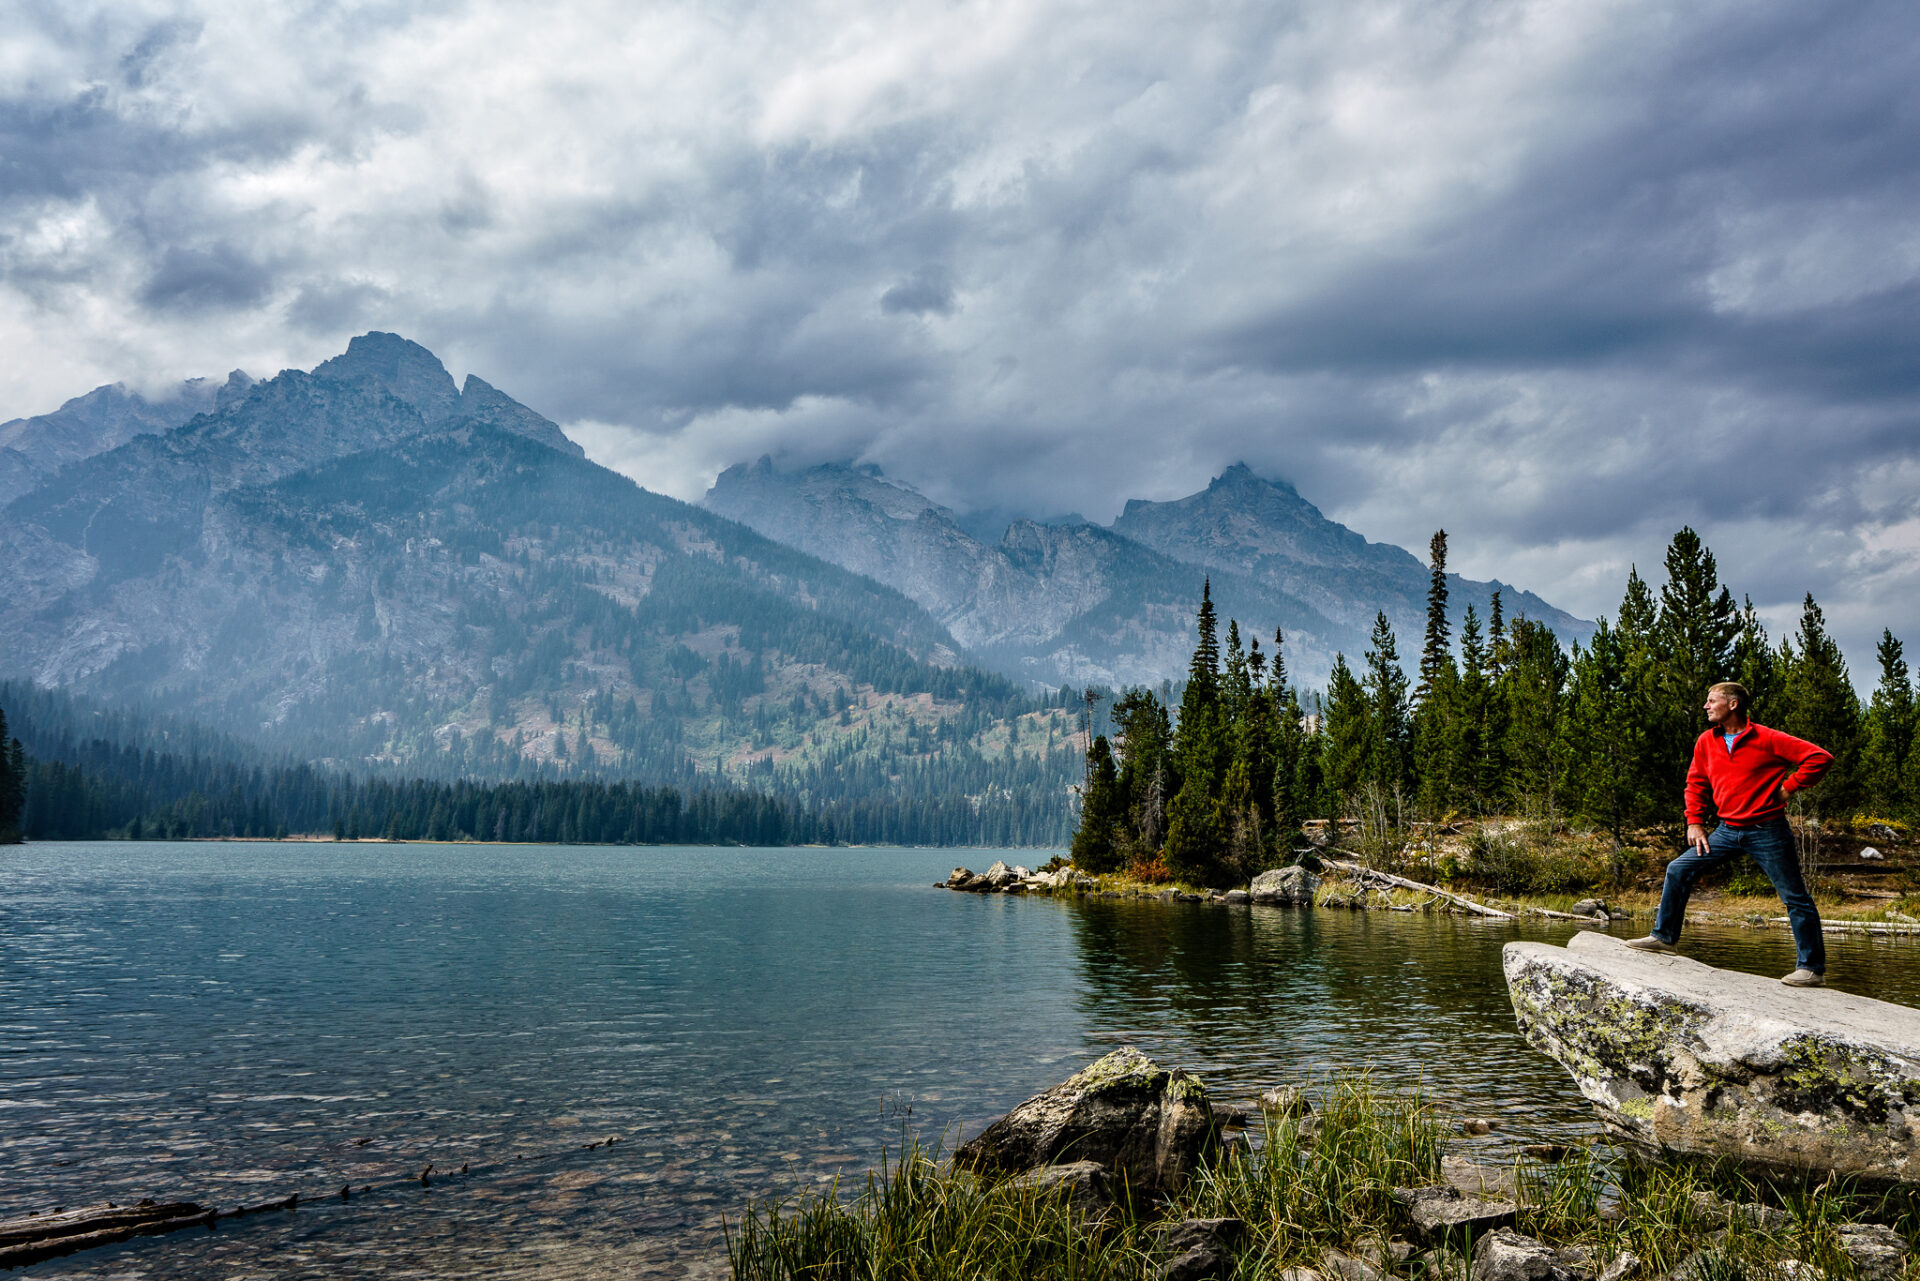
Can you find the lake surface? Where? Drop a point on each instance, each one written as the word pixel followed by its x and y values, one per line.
pixel 231 1023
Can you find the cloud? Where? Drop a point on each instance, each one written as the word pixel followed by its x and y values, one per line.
pixel 1560 278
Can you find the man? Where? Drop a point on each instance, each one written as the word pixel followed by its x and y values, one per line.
pixel 1745 771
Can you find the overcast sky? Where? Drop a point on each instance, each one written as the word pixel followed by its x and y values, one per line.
pixel 1559 277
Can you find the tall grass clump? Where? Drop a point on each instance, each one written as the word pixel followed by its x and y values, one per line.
pixel 1326 1179
pixel 920 1220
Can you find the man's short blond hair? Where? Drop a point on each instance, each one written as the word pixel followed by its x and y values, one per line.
pixel 1734 690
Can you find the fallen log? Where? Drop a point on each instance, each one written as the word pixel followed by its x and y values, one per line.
pixel 1400 882
pixel 91 1218
pixel 86 1235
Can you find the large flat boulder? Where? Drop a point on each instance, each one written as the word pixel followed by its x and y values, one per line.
pixel 1678 1057
pixel 1148 1125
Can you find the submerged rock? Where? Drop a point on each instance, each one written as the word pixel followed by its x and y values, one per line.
pixel 1148 1125
pixel 1678 1057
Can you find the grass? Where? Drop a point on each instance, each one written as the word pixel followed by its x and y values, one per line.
pixel 1304 1188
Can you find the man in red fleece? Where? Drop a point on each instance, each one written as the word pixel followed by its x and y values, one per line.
pixel 1744 772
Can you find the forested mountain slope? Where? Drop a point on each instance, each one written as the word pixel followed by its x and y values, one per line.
pixel 364 565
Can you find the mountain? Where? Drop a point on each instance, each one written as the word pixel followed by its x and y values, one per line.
pixel 1264 529
pixel 1054 603
pixel 1081 603
pixel 33 449
pixel 363 562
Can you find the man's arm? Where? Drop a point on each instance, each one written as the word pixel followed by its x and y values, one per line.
pixel 1699 795
pixel 1811 762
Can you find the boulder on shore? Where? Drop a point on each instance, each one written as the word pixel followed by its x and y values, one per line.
pixel 1681 1058
pixel 1285 885
pixel 1148 1125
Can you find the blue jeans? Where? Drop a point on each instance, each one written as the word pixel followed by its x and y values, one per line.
pixel 1771 846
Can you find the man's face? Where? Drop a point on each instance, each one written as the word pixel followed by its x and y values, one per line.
pixel 1720 708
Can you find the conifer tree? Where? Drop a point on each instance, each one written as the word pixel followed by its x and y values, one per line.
pixel 1344 738
pixel 1533 688
pixel 1145 745
pixel 1493 739
pixel 1436 698
pixel 1389 736
pixel 1200 752
pixel 1294 784
pixel 1754 664
pixel 1094 848
pixel 1889 734
pixel 1819 705
pixel 1693 642
pixel 1603 736
pixel 1471 776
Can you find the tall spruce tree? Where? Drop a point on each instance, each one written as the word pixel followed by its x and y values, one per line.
pixel 1094 847
pixel 1145 782
pixel 1819 705
pixel 1603 736
pixel 1532 689
pixel 1201 751
pixel 1889 734
pixel 1493 738
pixel 1437 697
pixel 1389 730
pixel 1344 739
pixel 1293 788
pixel 1472 777
pixel 1435 650
pixel 1693 643
pixel 1755 665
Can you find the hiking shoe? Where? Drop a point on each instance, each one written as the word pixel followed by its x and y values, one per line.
pixel 1651 943
pixel 1805 978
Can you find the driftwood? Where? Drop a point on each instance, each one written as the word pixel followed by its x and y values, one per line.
pixel 49 1236
pixel 1365 873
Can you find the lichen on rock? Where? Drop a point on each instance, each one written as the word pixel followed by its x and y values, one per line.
pixel 1678 1057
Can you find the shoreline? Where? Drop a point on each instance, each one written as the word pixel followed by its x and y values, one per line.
pixel 1877 914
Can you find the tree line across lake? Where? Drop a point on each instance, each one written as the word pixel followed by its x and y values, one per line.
pixel 144 777
pixel 1506 721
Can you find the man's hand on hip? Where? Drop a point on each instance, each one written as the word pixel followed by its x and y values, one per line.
pixel 1697 837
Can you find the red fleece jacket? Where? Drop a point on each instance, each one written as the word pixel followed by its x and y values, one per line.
pixel 1740 784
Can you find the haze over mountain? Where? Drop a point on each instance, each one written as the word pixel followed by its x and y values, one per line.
pixel 1076 602
pixel 366 561
pixel 33 449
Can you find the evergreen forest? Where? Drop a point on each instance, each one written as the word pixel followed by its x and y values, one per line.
pixel 1503 719
pixel 75 772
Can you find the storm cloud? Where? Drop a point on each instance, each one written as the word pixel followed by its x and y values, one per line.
pixel 1559 277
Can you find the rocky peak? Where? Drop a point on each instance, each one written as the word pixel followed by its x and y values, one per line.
pixel 481 402
pixel 400 366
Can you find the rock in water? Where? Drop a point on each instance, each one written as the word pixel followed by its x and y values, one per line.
pixel 1679 1057
pixel 1146 1124
pixel 1285 885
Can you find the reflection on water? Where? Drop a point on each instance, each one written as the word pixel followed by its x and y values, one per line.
pixel 236 1022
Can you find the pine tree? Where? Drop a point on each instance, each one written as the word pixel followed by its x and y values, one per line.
pixel 1200 750
pixel 1755 665
pixel 1145 745
pixel 1603 736
pixel 1889 734
pixel 1436 698
pixel 1532 689
pixel 1343 739
pixel 1435 652
pixel 1470 774
pixel 1094 848
pixel 1389 735
pixel 1693 643
pixel 1819 705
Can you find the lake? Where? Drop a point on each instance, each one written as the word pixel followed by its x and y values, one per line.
pixel 234 1022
